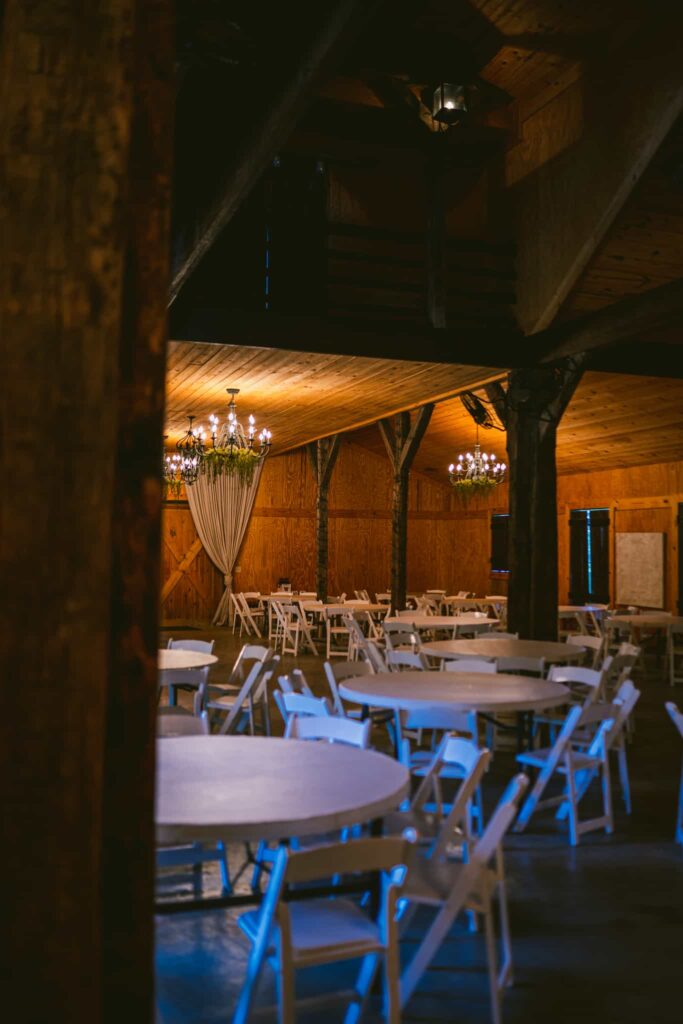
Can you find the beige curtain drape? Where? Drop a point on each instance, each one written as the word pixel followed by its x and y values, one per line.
pixel 221 513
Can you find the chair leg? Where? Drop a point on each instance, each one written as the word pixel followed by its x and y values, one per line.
pixel 607 795
pixel 679 814
pixel 391 996
pixel 506 970
pixel 225 869
pixel 366 977
pixel 285 992
pixel 492 964
pixel 624 780
pixel 572 808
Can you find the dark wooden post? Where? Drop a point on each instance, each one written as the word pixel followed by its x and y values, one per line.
pixel 402 442
pixel 531 411
pixel 85 160
pixel 323 455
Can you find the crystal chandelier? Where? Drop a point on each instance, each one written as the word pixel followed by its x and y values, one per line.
pixel 231 450
pixel 476 474
pixel 234 449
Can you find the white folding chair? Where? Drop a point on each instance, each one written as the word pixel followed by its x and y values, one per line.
pixel 452 887
pixel 455 758
pixel 622 706
pixel 399 660
pixel 470 665
pixel 254 690
pixel 337 636
pixel 526 666
pixel 247 615
pixel 373 655
pixel 677 719
pixel 219 697
pixel 401 636
pixel 437 721
pixel 594 645
pixel 499 634
pixel 292 704
pixel 331 729
pixel 168 726
pixel 295 682
pixel 568 762
pixel 302 933
pixel 585 686
pixel 193 678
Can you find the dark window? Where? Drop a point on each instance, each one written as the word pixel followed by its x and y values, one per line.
pixel 589 555
pixel 499 543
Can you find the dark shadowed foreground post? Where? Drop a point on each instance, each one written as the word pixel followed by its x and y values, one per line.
pixel 85 149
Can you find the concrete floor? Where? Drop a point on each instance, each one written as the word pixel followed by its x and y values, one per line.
pixel 597 931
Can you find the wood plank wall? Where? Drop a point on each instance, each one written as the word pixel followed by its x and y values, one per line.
pixel 447 546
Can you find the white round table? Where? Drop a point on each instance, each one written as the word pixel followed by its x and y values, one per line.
pixel 170 658
pixel 427 622
pixel 459 691
pixel 252 788
pixel 494 649
pixel 650 620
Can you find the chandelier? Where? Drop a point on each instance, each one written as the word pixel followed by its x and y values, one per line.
pixel 231 450
pixel 476 474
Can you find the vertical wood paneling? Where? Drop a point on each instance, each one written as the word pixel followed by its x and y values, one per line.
pixel 448 545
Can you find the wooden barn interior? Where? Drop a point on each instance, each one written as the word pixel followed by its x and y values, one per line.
pixel 200 195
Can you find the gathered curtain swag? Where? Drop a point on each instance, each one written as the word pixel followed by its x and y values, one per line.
pixel 221 510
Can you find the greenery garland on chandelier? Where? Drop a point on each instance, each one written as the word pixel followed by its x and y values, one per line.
pixel 476 476
pixel 231 451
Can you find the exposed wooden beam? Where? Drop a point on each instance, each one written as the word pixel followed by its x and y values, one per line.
pixel 271 130
pixel 609 328
pixel 631 97
pixel 467 347
pixel 639 359
pixel 633 316
pixel 402 440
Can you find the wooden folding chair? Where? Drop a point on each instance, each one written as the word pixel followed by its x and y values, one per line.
pixel 677 719
pixel 568 762
pixel 290 935
pixel 453 887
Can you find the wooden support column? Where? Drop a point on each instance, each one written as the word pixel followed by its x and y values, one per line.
pixel 323 455
pixel 402 442
pixel 86 127
pixel 531 411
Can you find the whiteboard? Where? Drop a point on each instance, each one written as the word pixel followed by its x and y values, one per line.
pixel 640 569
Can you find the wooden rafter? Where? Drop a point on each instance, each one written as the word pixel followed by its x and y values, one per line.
pixel 565 207
pixel 271 131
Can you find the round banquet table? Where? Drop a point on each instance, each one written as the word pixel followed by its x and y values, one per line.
pixel 459 691
pixel 650 620
pixel 170 658
pixel 494 649
pixel 442 621
pixel 252 787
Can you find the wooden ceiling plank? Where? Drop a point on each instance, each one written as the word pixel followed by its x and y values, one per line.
pixel 576 196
